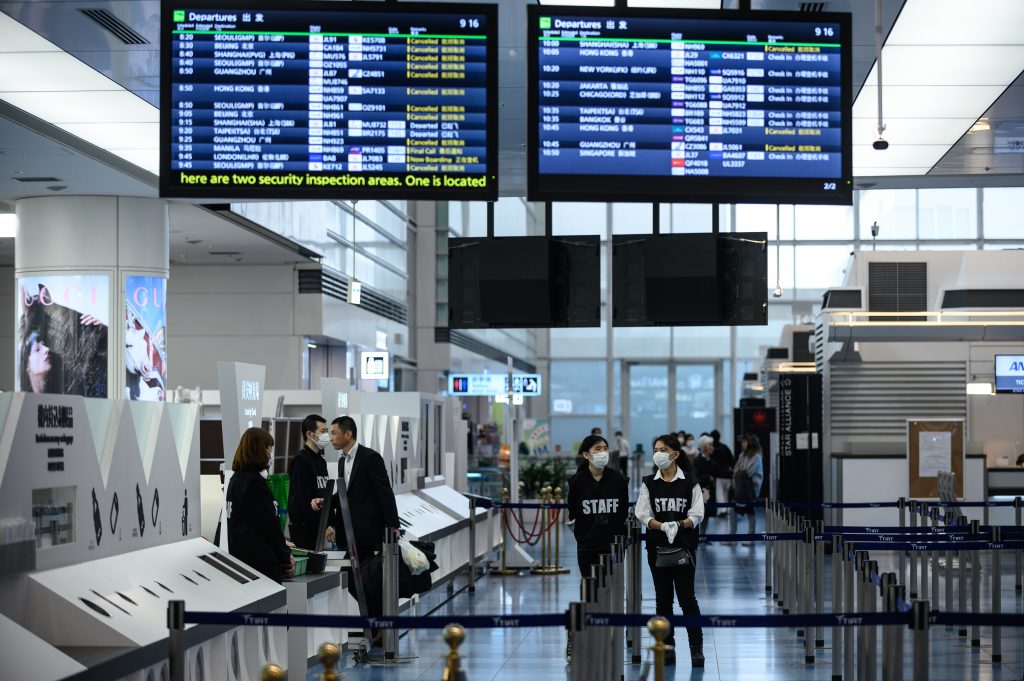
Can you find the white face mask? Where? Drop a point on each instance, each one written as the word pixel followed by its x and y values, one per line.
pixel 599 460
pixel 662 460
pixel 323 439
pixel 265 472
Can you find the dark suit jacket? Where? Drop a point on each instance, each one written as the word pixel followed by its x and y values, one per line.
pixel 371 500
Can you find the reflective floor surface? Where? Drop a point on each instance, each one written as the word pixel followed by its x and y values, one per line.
pixel 730 580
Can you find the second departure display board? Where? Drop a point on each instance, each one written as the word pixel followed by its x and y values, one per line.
pixel 689 106
pixel 347 100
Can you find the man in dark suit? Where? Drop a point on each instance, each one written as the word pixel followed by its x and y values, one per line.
pixel 371 500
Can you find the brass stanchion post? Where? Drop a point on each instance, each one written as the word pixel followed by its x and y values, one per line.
pixel 543 514
pixel 555 567
pixel 454 635
pixel 272 672
pixel 329 654
pixel 659 628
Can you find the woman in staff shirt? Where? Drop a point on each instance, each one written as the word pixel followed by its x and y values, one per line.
pixel 254 530
pixel 598 500
pixel 670 506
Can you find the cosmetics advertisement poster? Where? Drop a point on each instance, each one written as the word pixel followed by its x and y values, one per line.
pixel 63 330
pixel 145 338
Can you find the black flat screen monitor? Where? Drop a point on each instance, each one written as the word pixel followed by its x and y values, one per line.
pixel 1010 374
pixel 325 516
pixel 690 279
pixel 697 106
pixel 317 100
pixel 524 282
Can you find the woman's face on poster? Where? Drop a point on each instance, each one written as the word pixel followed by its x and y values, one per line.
pixel 38 358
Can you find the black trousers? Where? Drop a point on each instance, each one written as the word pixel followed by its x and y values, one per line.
pixel 587 558
pixel 681 580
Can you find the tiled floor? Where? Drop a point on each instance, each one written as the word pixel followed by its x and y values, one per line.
pixel 730 580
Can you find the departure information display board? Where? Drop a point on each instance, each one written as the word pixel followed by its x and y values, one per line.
pixel 329 100
pixel 689 106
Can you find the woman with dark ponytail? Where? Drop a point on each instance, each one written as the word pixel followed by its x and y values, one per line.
pixel 671 506
pixel 598 501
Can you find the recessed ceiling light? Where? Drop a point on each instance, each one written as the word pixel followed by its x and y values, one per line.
pixel 193 241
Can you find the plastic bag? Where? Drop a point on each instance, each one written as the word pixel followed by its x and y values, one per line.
pixel 415 559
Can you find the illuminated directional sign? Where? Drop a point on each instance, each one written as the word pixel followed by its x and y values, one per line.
pixel 528 385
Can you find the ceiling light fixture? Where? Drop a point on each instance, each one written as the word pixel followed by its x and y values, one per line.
pixel 979 389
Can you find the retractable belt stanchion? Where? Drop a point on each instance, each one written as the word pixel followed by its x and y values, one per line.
pixel 886 580
pixel 935 565
pixel 862 637
pixel 1018 555
pixel 961 578
pixel 176 642
pixel 454 635
pixel 894 594
pixel 837 606
pixel 911 556
pixel 634 604
pixel 849 565
pixel 871 601
pixel 923 557
pixel 975 588
pixel 919 625
pixel 819 581
pixel 808 588
pixel 556 568
pixel 659 628
pixel 472 545
pixel 768 548
pixel 997 593
pixel 389 566
pixel 504 569
pixel 950 519
pixel 901 504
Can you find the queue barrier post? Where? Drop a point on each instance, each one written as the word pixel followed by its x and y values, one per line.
pixel 808 590
pixel 329 655
pixel 576 626
pixel 901 504
pixel 504 569
pixel 607 590
pixel 273 672
pixel 961 560
pixel 950 519
pixel 454 635
pixel 556 568
pixel 922 589
pixel 935 565
pixel 886 582
pixel 849 563
pixel 659 628
pixel 633 595
pixel 819 581
pixel 837 591
pixel 768 549
pixel 919 625
pixel 586 641
pixel 471 565
pixel 176 640
pixel 871 601
pixel 911 556
pixel 997 593
pixel 975 588
pixel 862 592
pixel 1018 555
pixel 389 566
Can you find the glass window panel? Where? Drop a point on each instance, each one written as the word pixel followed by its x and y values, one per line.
pixel 824 222
pixel 474 218
pixel 648 401
pixel 780 262
pixel 1004 218
pixel 579 342
pixel 965 246
pixel 700 342
pixel 819 267
pixel 695 397
pixel 579 218
pixel 509 217
pixel 1003 247
pixel 632 218
pixel 686 218
pixel 646 341
pixel 578 387
pixel 751 339
pixel 895 210
pixel 567 432
pixel 947 213
pixel 761 217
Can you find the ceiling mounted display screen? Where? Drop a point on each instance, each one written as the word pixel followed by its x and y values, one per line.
pixel 689 106
pixel 292 100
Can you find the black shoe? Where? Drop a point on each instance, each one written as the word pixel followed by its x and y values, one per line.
pixel 568 648
pixel 697 655
pixel 670 658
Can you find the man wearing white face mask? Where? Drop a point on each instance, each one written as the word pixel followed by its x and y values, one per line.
pixel 307 474
pixel 598 501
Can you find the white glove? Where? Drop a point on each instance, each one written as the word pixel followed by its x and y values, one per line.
pixel 670 529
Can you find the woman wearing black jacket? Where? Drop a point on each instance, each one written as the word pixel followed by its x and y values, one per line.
pixel 254 530
pixel 598 501
pixel 671 506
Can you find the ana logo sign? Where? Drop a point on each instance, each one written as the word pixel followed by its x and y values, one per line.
pixel 1016 366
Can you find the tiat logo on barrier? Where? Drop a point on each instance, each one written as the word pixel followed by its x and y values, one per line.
pixel 509 622
pixel 597 621
pixel 250 619
pixel 720 622
pixel 843 619
pixel 376 623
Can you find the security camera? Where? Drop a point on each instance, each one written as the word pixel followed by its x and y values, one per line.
pixel 777 291
pixel 880 144
pixel 874 229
